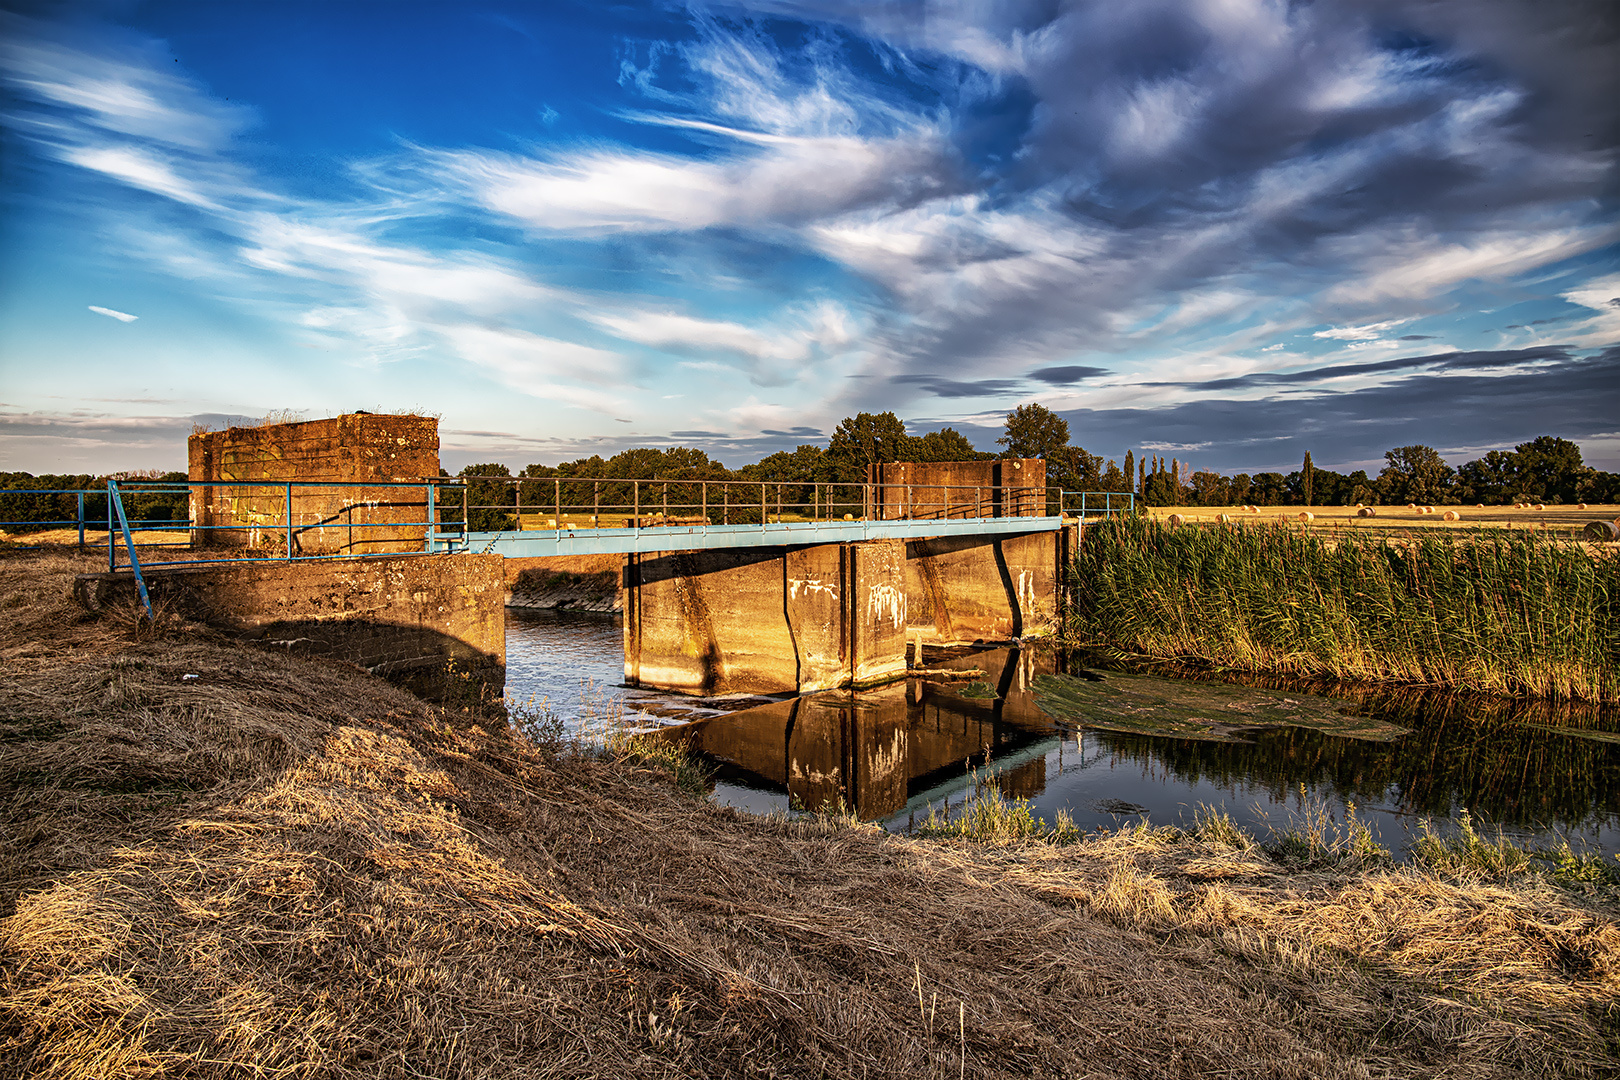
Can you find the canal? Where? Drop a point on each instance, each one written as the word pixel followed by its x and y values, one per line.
pixel 1109 747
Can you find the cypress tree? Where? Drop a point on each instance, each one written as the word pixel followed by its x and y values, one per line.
pixel 1130 466
pixel 1307 477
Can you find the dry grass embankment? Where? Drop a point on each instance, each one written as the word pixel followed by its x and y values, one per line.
pixel 286 868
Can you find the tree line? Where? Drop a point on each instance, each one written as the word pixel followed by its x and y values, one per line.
pixel 24 498
pixel 1545 469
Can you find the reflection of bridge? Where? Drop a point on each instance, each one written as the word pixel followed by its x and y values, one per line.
pixel 880 751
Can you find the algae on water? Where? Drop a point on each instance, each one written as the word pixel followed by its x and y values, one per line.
pixel 977 691
pixel 1213 712
pixel 1595 734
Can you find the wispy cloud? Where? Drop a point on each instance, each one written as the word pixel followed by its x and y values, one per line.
pixel 121 316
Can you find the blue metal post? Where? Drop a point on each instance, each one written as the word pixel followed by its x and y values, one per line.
pixel 113 495
pixel 112 552
pixel 81 521
pixel 289 521
pixel 432 525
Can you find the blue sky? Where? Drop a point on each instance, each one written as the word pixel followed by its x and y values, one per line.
pixel 1225 230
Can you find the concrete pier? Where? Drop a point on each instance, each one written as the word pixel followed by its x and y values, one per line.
pixel 963 589
pixel 766 620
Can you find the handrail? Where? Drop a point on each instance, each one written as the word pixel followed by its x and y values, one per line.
pixel 350 518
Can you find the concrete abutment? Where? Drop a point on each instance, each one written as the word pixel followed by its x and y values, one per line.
pixel 433 623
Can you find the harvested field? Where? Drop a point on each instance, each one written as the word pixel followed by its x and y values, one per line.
pixel 1561 521
pixel 284 867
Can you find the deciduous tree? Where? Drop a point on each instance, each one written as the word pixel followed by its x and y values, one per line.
pixel 1034 431
pixel 1415 474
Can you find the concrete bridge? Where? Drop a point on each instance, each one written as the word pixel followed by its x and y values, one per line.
pixel 727 587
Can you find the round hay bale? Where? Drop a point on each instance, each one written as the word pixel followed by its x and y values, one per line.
pixel 1451 515
pixel 849 517
pixel 1411 506
pixel 1366 511
pixel 1479 506
pixel 1225 518
pixel 1176 519
pixel 1541 506
pixel 1601 532
pixel 1580 506
pixel 1306 516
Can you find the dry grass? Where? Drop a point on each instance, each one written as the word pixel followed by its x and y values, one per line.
pixel 286 868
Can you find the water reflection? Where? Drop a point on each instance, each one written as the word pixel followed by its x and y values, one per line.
pixel 889 754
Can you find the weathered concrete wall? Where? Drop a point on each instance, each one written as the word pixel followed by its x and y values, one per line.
pixel 1011 487
pixel 767 620
pixel 965 589
pixel 355 447
pixel 404 618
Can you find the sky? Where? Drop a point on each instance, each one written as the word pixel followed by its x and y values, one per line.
pixel 1229 231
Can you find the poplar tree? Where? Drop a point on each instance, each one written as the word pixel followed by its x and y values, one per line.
pixel 1307 477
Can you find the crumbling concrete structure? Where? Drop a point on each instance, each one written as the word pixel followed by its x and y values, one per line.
pixel 1004 487
pixel 364 448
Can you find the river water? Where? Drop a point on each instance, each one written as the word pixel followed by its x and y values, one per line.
pixel 1400 758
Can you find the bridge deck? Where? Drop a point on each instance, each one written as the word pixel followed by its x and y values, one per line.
pixel 572 541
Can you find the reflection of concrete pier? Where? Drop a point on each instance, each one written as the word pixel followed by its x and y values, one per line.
pixel 874 749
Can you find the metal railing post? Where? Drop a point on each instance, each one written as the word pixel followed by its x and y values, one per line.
pixel 112 552
pixel 558 494
pixel 289 521
pixel 432 525
pixel 113 495
pixel 762 507
pixel 596 504
pixel 81 521
pixel 635 496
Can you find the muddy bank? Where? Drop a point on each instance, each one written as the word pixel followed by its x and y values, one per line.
pixel 566 583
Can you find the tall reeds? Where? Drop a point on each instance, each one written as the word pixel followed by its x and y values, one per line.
pixel 1505 613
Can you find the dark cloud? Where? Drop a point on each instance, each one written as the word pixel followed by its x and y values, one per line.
pixel 1452 361
pixel 1417 337
pixel 1148 124
pixel 698 435
pixel 796 433
pixel 1066 375
pixel 1576 398
pixel 953 388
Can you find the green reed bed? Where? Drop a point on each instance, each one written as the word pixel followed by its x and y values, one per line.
pixel 1511 614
